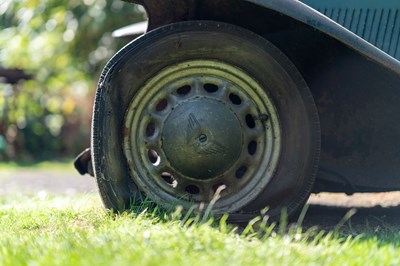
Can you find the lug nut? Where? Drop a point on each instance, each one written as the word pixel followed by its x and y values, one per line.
pixel 263 117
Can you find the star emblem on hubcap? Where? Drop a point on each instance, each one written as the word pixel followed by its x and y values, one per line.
pixel 200 138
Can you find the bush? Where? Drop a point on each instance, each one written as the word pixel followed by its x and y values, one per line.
pixel 63 44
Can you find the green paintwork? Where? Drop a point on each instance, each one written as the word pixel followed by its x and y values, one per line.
pixel 377 22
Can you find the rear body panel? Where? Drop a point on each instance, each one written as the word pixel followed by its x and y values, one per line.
pixel 355 85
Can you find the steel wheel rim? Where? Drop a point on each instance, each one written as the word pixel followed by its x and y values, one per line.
pixel 225 88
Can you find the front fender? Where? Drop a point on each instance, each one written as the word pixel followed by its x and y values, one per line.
pixel 169 11
pixel 301 12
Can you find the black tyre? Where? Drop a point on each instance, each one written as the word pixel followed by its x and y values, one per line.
pixel 197 107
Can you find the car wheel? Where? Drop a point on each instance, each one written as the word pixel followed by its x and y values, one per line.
pixel 202 110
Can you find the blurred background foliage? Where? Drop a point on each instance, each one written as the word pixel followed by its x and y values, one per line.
pixel 63 45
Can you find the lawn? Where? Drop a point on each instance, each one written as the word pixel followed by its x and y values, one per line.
pixel 76 230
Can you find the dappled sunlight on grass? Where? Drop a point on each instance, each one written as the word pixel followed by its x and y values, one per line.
pixel 46 229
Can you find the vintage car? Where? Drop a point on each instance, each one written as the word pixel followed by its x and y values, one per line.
pixel 242 105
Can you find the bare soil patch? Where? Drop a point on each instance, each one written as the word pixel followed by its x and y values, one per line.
pixel 358 213
pixel 32 181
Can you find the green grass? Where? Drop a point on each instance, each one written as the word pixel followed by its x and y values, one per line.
pixel 77 231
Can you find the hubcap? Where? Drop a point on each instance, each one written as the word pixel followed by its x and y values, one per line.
pixel 197 126
pixel 202 138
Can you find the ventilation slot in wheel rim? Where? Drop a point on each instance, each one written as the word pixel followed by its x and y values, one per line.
pixel 235 99
pixel 210 87
pixel 184 90
pixel 153 157
pixel 150 129
pixel 250 122
pixel 241 172
pixel 161 105
pixel 252 147
pixel 192 189
pixel 169 179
